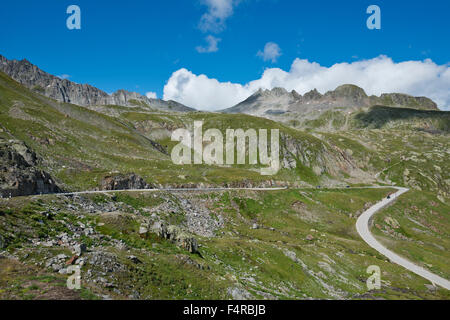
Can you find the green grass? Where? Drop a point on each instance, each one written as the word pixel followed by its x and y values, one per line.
pixel 424 220
pixel 87 145
pixel 378 117
pixel 254 259
pixel 317 225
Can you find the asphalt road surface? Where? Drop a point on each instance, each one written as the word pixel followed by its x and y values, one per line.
pixel 362 226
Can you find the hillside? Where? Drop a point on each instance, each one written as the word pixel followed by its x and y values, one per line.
pixel 298 243
pixel 80 146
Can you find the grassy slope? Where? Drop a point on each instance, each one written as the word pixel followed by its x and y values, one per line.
pixel 77 144
pixel 148 123
pixel 332 263
pixel 81 145
pixel 408 148
pixel 385 117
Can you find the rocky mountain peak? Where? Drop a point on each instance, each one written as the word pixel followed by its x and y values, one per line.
pixel 279 102
pixel 349 91
pixel 278 92
pixel 296 95
pixel 312 95
pixel 274 92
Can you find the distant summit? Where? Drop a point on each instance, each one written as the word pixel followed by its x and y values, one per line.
pixel 280 101
pixel 68 91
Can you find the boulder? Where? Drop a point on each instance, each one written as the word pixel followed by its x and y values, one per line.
pixel 187 242
pixel 176 235
pixel 79 249
pixel 124 182
pixel 160 229
pixel 143 231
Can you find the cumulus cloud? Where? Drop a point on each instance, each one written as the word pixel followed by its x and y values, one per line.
pixel 271 52
pixel 64 76
pixel 375 76
pixel 218 12
pixel 211 47
pixel 151 95
pixel 201 92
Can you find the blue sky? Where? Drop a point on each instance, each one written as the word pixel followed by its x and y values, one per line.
pixel 138 44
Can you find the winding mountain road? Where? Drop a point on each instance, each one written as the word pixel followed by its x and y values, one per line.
pixel 362 226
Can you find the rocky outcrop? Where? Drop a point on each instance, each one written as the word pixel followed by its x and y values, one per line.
pixel 124 182
pixel 176 235
pixel 68 91
pixel 19 175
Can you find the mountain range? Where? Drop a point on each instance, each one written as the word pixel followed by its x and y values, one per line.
pixel 83 130
pixel 278 102
pixel 68 91
pixel 274 103
pixel 293 243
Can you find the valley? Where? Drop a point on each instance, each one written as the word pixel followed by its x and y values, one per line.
pixel 91 183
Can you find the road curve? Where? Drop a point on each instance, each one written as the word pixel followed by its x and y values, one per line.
pixel 362 226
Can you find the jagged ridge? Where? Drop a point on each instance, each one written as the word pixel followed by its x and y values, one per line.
pixel 279 101
pixel 68 91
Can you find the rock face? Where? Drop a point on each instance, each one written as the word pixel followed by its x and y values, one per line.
pixel 19 175
pixel 124 182
pixel 64 90
pixel 321 158
pixel 279 101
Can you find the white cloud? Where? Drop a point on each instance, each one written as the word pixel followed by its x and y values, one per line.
pixel 151 95
pixel 375 76
pixel 218 12
pixel 64 76
pixel 202 92
pixel 211 47
pixel 271 52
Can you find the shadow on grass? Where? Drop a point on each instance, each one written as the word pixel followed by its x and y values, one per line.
pixel 379 116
